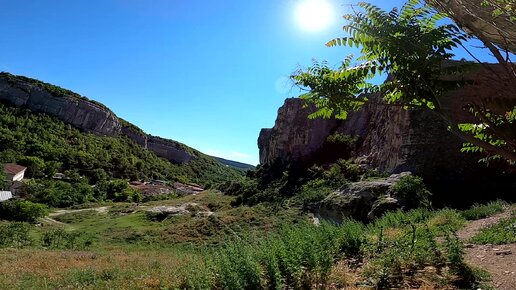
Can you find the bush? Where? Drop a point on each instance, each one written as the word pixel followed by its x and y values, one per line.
pixel 413 191
pixel 57 193
pixel 61 239
pixel 22 210
pixel 16 235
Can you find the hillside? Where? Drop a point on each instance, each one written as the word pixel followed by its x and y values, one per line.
pixel 235 164
pixel 86 115
pixel 56 130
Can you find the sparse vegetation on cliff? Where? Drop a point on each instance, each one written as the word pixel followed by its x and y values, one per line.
pixel 52 89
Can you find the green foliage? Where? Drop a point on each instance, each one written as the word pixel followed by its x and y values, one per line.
pixel 502 233
pixel 237 267
pixel 21 210
pixel 505 8
pixel 35 166
pixel 478 211
pixel 446 220
pixel 59 193
pixel 399 218
pixel 16 235
pixel 296 257
pixel 61 239
pixel 397 246
pixel 118 190
pixel 302 186
pixel 4 183
pixel 413 191
pixel 413 48
pixel 46 146
pixel 407 44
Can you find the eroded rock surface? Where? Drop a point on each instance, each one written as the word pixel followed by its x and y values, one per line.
pixel 362 200
pixel 395 140
pixel 84 114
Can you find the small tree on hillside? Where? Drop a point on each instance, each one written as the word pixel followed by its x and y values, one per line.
pixel 411 47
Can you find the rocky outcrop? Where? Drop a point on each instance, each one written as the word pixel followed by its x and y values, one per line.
pixel 69 108
pixel 363 200
pixel 84 114
pixel 479 19
pixel 395 140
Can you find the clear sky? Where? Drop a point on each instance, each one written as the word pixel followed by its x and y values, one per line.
pixel 207 73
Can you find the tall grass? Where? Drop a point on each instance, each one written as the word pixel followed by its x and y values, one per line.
pixel 479 211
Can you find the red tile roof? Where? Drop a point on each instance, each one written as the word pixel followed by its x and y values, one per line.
pixel 14 169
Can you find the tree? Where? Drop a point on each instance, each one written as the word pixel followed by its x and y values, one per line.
pixel 3 180
pixel 414 50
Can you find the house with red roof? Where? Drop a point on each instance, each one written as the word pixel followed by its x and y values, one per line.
pixel 14 172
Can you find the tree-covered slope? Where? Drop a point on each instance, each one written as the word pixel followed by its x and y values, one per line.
pixel 47 145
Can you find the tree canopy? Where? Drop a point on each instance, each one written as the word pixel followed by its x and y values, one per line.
pixel 413 47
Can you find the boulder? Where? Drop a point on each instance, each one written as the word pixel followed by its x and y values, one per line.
pixel 362 200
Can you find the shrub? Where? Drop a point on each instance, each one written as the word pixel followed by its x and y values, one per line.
pixel 237 267
pixel 413 191
pixel 61 239
pixel 15 235
pixel 22 210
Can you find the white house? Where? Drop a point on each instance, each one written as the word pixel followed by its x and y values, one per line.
pixel 14 172
pixel 5 195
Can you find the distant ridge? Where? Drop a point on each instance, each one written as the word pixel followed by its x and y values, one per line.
pixel 235 164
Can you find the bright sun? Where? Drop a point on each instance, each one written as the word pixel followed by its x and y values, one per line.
pixel 314 15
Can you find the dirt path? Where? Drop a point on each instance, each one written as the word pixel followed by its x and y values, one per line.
pixel 499 261
pixel 51 221
pixel 103 209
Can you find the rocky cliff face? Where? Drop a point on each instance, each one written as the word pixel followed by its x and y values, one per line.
pixel 392 139
pixel 475 17
pixel 83 114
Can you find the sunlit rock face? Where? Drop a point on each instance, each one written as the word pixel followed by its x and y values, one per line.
pixel 478 19
pixel 85 115
pixel 392 139
pixel 77 112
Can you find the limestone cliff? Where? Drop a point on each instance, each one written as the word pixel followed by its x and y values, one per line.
pixel 68 107
pixel 392 139
pixel 84 114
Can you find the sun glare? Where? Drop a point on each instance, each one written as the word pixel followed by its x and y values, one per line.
pixel 314 15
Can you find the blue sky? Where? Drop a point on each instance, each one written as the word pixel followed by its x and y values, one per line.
pixel 207 73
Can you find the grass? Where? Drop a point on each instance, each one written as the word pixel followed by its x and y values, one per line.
pixel 503 232
pixel 478 211
pixel 259 247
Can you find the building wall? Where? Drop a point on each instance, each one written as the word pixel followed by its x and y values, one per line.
pixel 5 195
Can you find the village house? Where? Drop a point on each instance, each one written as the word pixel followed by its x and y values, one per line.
pixel 5 195
pixel 15 174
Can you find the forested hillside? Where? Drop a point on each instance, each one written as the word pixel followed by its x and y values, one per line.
pixel 46 145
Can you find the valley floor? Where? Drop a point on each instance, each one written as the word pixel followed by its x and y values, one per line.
pixel 130 246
